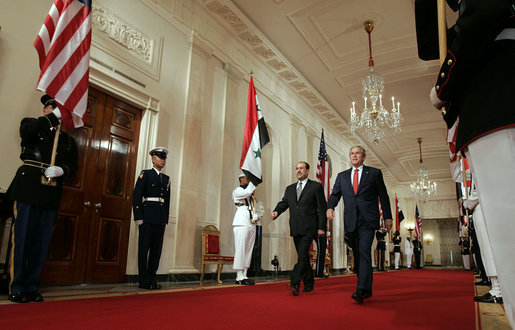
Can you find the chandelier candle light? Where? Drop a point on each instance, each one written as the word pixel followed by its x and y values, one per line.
pixel 423 189
pixel 375 118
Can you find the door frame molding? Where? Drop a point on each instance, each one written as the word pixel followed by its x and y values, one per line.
pixel 104 79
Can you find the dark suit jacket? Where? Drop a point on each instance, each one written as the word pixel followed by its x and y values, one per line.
pixel 308 214
pixel 371 187
pixel 149 184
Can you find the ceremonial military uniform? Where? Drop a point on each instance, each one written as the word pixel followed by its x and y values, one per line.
pixel 36 204
pixel 381 248
pixel 408 249
pixel 465 252
pixel 151 204
pixel 417 249
pixel 477 80
pixel 397 249
pixel 244 231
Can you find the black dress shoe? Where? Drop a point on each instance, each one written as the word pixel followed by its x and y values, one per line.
pixel 357 296
pixel 250 282
pixel 18 298
pixel 155 286
pixel 294 289
pixel 488 298
pixel 485 283
pixel 322 276
pixel 366 293
pixel 146 286
pixel 308 289
pixel 34 296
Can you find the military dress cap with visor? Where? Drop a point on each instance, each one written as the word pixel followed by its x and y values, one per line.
pixel 160 152
pixel 47 100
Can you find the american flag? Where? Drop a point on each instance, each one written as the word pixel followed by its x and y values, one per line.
pixel 323 167
pixel 63 45
pixel 418 223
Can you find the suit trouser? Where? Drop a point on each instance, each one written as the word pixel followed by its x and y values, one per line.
pixel 492 162
pixel 150 244
pixel 321 247
pixel 361 240
pixel 32 230
pixel 244 239
pixel 302 270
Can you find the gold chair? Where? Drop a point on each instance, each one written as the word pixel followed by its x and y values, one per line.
pixel 211 251
pixel 429 259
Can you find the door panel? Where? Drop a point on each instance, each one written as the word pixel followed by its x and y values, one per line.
pixel 90 238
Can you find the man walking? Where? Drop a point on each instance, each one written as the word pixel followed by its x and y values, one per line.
pixel 307 204
pixel 360 187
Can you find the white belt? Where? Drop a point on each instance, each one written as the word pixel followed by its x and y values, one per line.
pixel 506 34
pixel 154 199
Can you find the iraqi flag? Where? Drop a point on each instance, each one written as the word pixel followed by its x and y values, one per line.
pixel 399 216
pixel 254 139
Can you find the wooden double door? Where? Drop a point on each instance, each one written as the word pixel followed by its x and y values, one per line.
pixel 90 238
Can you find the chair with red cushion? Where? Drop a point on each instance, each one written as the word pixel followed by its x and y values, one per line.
pixel 211 251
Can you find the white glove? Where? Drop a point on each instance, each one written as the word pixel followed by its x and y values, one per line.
pixel 57 113
pixel 139 222
pixel 54 172
pixel 470 203
pixel 255 217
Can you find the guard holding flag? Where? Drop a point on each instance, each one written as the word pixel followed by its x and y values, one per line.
pixel 36 198
pixel 151 205
pixel 244 228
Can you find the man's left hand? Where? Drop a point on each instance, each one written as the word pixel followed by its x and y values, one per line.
pixel 388 224
pixel 438 104
pixel 321 233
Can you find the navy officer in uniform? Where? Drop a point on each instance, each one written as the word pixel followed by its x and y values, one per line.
pixel 151 204
pixel 381 248
pixel 37 201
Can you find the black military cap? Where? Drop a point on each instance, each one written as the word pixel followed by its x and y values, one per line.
pixel 48 100
pixel 160 152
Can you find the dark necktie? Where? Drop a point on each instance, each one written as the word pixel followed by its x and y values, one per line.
pixel 355 182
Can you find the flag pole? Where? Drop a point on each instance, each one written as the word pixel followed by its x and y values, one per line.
pixel 44 179
pixel 466 187
pixel 442 35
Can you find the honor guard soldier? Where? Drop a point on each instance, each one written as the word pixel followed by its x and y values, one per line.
pixel 36 198
pixel 408 249
pixel 244 228
pixel 397 248
pixel 151 204
pixel 381 248
pixel 417 249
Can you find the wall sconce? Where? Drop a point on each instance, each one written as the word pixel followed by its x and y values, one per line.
pixel 428 239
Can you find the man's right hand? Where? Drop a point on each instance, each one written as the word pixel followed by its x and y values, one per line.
pixel 274 215
pixel 330 214
pixel 139 222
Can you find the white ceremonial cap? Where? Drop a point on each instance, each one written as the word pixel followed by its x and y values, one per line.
pixel 158 150
pixel 241 175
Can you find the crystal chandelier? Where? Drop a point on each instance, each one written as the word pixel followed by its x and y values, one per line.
pixel 423 189
pixel 374 117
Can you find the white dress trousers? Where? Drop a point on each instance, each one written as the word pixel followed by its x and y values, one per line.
pixel 244 230
pixel 492 162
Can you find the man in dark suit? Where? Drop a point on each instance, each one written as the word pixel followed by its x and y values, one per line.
pixel 306 201
pixel 151 204
pixel 360 187
pixel 37 200
pixel 417 250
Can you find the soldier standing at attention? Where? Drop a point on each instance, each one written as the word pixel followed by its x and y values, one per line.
pixel 151 205
pixel 36 200
pixel 397 248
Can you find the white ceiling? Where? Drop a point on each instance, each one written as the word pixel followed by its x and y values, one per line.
pixel 320 48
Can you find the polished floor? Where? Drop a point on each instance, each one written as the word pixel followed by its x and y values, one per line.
pixel 488 316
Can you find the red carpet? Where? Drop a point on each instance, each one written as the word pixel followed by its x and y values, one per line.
pixel 411 299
